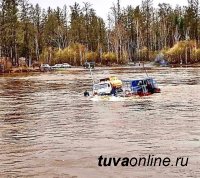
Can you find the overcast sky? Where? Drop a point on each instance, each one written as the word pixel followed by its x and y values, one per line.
pixel 102 7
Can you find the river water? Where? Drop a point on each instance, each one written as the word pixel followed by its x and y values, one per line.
pixel 48 129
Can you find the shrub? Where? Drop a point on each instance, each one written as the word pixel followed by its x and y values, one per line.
pixel 108 58
pixel 91 56
pixel 181 50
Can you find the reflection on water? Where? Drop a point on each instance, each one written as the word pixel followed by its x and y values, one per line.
pixel 48 129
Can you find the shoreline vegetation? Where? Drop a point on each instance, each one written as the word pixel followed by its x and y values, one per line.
pixel 31 36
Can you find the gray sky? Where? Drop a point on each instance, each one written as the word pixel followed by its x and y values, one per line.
pixel 102 7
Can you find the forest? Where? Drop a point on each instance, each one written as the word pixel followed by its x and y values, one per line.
pixel 75 34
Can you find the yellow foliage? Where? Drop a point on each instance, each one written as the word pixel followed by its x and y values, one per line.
pixel 109 57
pixel 91 56
pixel 196 55
pixel 72 54
pixel 180 50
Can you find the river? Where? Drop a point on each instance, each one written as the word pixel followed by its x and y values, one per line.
pixel 48 129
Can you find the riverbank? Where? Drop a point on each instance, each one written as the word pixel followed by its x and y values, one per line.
pixel 20 70
pixel 136 66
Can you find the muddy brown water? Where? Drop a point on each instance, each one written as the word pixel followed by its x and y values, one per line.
pixel 48 129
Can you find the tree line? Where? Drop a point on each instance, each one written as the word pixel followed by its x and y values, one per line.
pixel 75 34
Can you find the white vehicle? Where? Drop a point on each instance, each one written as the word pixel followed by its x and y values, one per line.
pixel 57 66
pixel 102 88
pixel 66 65
pixel 45 67
pixel 61 66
